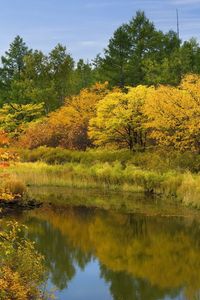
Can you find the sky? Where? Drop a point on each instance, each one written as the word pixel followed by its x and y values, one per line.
pixel 85 26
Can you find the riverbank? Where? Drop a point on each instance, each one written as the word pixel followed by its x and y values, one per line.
pixel 114 176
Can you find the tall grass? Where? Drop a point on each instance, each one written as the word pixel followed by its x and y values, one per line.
pixel 112 176
pixel 161 161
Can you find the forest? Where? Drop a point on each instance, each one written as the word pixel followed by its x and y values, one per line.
pixel 127 121
pixel 141 92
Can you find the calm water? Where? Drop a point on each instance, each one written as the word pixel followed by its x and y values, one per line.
pixel 94 254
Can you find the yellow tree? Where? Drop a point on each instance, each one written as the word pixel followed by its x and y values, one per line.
pixel 74 116
pixel 68 126
pixel 174 113
pixel 120 119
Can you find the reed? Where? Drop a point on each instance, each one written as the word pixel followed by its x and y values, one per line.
pixel 111 176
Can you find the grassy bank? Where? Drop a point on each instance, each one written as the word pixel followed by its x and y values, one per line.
pixel 118 176
pixel 160 160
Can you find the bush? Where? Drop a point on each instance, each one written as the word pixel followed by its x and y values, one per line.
pixel 189 190
pixel 15 187
pixel 161 161
pixel 21 266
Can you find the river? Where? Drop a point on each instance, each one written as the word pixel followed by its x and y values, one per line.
pixel 118 253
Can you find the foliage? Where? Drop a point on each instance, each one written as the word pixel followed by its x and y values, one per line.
pixel 173 114
pixel 7 156
pixel 67 127
pixel 14 117
pixel 139 54
pixel 21 266
pixel 4 139
pixel 153 160
pixel 12 66
pixel 10 188
pixel 120 120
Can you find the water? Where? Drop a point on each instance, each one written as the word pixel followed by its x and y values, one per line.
pixel 91 253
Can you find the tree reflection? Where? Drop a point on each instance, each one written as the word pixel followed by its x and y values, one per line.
pixel 125 286
pixel 60 257
pixel 140 257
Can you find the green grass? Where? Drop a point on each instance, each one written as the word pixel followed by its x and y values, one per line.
pixel 159 161
pixel 115 176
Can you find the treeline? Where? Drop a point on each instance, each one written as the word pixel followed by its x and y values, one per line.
pixel 28 76
pixel 137 53
pixel 138 95
pixel 136 118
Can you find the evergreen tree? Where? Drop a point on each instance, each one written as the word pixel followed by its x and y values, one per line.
pixel 12 65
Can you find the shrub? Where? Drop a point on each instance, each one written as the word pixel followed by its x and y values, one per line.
pixel 160 160
pixel 15 186
pixel 21 266
pixel 189 190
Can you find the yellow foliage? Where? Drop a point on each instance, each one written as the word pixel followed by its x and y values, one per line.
pixel 119 120
pixel 131 118
pixel 174 113
pixel 67 127
pixel 21 266
pixel 11 286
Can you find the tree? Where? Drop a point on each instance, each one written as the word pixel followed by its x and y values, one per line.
pixel 36 84
pixel 83 76
pixel 67 126
pixel 137 53
pixel 4 139
pixel 12 65
pixel 119 120
pixel 190 57
pixel 15 117
pixel 117 56
pixel 143 42
pixel 163 65
pixel 166 71
pixel 174 113
pixel 43 78
pixel 61 69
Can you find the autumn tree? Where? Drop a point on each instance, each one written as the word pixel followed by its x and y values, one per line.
pixel 4 139
pixel 120 120
pixel 68 126
pixel 174 114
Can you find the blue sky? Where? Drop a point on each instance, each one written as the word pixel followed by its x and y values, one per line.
pixel 85 26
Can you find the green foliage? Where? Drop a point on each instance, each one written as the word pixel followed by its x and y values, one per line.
pixel 83 76
pixel 139 54
pixel 159 160
pixel 13 65
pixel 14 117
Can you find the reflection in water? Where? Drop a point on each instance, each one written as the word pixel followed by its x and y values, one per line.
pixel 139 257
